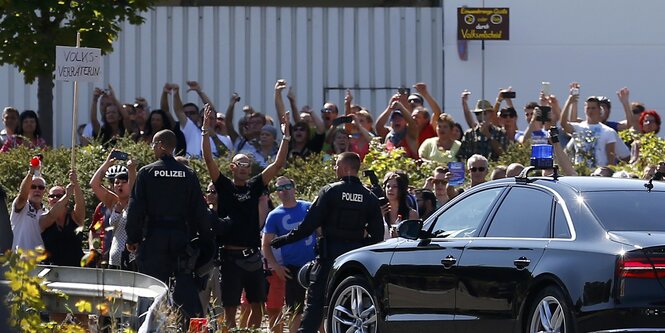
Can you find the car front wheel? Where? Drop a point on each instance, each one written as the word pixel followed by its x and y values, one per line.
pixel 352 307
pixel 550 313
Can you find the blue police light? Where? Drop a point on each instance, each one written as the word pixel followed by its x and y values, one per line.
pixel 541 156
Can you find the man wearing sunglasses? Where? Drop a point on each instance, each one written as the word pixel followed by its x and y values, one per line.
pixel 238 199
pixel 26 210
pixel 478 168
pixel 285 263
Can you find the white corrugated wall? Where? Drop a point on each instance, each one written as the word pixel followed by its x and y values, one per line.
pixel 246 49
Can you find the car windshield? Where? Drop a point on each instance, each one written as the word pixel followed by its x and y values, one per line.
pixel 628 210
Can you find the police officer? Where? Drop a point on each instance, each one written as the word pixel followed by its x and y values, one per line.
pixel 166 211
pixel 346 211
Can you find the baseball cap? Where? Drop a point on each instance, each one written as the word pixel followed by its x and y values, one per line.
pixel 483 105
pixel 270 129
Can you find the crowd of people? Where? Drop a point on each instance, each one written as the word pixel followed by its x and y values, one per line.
pixel 135 227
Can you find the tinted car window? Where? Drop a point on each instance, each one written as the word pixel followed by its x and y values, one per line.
pixel 523 213
pixel 628 210
pixel 560 223
pixel 466 216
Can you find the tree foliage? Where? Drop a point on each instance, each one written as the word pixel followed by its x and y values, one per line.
pixel 30 30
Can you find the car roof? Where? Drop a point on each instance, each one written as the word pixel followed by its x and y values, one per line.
pixel 589 184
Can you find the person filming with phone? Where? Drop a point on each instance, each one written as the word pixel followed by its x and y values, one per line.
pixel 484 138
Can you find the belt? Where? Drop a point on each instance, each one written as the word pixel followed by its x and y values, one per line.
pixel 244 253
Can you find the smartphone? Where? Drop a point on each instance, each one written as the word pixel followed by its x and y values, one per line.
pixel 545 88
pixel 404 91
pixel 508 94
pixel 341 120
pixel 119 155
pixel 383 201
pixel 575 91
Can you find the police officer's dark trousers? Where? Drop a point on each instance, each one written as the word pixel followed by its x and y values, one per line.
pixel 314 302
pixel 158 257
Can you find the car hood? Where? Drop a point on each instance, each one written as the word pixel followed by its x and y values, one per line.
pixel 641 239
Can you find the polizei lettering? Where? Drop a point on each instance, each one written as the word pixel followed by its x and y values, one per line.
pixel 355 197
pixel 169 173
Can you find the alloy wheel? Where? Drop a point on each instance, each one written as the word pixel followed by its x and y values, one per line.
pixel 354 311
pixel 548 317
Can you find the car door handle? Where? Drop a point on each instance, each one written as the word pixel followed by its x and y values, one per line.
pixel 448 261
pixel 521 262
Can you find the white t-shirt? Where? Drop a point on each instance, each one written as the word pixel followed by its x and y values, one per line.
pixel 192 135
pixel 25 226
pixel 596 137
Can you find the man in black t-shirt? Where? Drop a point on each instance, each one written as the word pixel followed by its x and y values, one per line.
pixel 238 198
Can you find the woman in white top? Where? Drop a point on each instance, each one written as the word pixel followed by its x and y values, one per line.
pixel 116 200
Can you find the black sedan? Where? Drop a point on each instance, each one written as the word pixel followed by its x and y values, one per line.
pixel 568 254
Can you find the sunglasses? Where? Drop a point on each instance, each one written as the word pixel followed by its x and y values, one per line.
pixel 53 196
pixel 508 115
pixel 327 111
pixel 479 169
pixel 242 164
pixel 284 187
pixel 414 101
pixel 189 113
pixel 637 111
pixel 440 182
pixel 300 129
pixel 154 143
pixel 40 187
pixel 211 191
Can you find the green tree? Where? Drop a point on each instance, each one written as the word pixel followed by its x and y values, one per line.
pixel 31 29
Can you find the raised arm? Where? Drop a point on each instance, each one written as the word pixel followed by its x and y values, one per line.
pixel 177 106
pixel 164 102
pixel 383 118
pixel 560 155
pixel 565 115
pixel 629 122
pixel 280 160
pixel 497 105
pixel 230 111
pixel 468 116
pixel 279 102
pixel 106 196
pixel 46 220
pixel 93 110
pixel 24 190
pixel 294 106
pixel 209 115
pixel 433 105
pixel 78 214
pixel 195 86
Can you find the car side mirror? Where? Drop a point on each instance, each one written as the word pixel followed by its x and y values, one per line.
pixel 410 229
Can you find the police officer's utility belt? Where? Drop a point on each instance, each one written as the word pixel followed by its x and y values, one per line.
pixel 240 253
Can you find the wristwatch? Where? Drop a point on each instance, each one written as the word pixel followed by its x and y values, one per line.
pixel 204 132
pixel 286 138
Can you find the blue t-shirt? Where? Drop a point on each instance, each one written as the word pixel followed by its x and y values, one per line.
pixel 282 220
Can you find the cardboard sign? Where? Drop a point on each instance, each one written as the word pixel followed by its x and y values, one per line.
pixel 482 23
pixel 78 64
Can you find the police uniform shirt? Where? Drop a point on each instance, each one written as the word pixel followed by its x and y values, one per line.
pixel 240 204
pixel 344 210
pixel 166 194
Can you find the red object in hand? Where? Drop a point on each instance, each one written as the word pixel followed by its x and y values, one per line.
pixel 35 162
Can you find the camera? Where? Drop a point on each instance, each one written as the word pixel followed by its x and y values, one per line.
pixel 119 155
pixel 342 120
pixel 376 187
pixel 543 113
pixel 508 94
pixel 237 98
pixel 404 91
